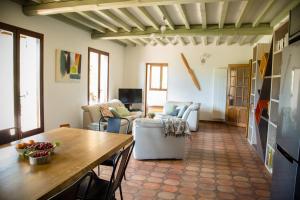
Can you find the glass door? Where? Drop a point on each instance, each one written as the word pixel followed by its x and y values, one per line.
pixel 7 105
pixel 30 84
pixel 21 83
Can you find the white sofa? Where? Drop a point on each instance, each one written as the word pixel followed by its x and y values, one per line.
pixel 191 115
pixel 151 143
pixel 91 116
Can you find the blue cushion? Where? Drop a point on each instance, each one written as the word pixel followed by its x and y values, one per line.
pixel 182 109
pixel 175 111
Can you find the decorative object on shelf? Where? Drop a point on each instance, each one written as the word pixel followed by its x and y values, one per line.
pixel 261 105
pixel 68 66
pixel 191 72
pixel 263 65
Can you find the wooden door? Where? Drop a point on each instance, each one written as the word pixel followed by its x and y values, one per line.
pixel 238 88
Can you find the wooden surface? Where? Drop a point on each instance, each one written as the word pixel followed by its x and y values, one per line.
pixel 190 71
pixel 80 151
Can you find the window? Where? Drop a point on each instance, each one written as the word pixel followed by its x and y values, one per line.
pixel 156 86
pixel 98 76
pixel 158 76
pixel 21 83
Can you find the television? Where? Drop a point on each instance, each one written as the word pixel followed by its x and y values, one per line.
pixel 130 96
pixel 294 25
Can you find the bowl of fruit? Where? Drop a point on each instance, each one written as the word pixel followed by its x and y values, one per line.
pixel 25 149
pixel 39 157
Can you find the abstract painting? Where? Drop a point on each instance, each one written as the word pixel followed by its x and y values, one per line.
pixel 68 66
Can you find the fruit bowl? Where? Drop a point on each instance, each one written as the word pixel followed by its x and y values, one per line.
pixel 39 157
pixel 24 149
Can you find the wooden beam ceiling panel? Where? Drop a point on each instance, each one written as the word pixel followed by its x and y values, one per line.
pixel 242 40
pixel 145 40
pixel 284 12
pixel 182 13
pixel 202 10
pixel 159 41
pixel 182 42
pixel 193 41
pixel 138 42
pixel 83 21
pixel 223 13
pixel 119 42
pixel 241 12
pixel 255 39
pixel 148 17
pixel 204 39
pixel 245 29
pixel 163 13
pixel 263 13
pixel 230 40
pixel 218 40
pixel 128 42
pixel 57 7
pixel 115 19
pixel 96 19
pixel 133 19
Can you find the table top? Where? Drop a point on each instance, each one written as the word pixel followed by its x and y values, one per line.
pixel 80 151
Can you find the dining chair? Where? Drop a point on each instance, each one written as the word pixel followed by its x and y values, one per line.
pixel 97 186
pixel 113 126
pixel 75 191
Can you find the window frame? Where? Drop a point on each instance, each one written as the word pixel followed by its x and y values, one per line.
pixel 18 31
pixel 99 52
pixel 161 66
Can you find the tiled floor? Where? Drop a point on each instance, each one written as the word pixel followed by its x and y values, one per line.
pixel 219 164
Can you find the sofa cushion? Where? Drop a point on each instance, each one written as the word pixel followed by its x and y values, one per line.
pixel 114 112
pixel 169 109
pixel 105 110
pixel 177 104
pixel 182 109
pixel 122 111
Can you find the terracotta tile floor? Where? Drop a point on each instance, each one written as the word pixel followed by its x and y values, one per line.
pixel 219 164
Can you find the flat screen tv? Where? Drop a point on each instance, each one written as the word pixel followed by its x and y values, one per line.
pixel 294 25
pixel 130 96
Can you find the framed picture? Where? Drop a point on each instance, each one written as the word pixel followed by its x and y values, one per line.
pixel 68 66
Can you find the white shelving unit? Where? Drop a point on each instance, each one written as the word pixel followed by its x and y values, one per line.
pixel 279 36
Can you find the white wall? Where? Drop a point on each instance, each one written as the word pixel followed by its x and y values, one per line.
pixel 63 101
pixel 180 85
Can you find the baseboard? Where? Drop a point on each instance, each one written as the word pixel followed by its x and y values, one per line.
pixel 212 121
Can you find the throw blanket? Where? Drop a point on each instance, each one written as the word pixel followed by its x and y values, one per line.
pixel 176 127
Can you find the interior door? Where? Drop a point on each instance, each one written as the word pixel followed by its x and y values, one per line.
pixel 21 84
pixel 238 94
pixel 7 71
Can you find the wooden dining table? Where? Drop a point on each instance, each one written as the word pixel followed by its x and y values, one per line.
pixel 79 151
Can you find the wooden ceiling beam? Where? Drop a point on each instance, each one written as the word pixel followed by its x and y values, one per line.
pixel 241 12
pixel 115 19
pixel 164 14
pixel 182 42
pixel 255 39
pixel 159 41
pixel 193 41
pixel 98 20
pixel 119 42
pixel 182 13
pixel 196 30
pixel 57 7
pixel 131 17
pixel 230 40
pixel 205 41
pixel 128 42
pixel 242 40
pixel 83 21
pixel 263 13
pixel 223 13
pixel 137 41
pixel 148 17
pixel 284 12
pixel 145 40
pixel 202 10
pixel 218 40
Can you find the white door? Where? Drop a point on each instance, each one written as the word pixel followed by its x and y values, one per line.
pixel 219 93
